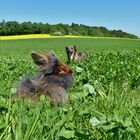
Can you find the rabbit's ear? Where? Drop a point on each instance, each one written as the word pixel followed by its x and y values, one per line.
pixel 39 59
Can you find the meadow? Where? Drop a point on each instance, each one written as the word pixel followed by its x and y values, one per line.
pixel 12 47
pixel 104 101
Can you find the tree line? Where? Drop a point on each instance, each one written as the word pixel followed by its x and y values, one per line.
pixel 16 28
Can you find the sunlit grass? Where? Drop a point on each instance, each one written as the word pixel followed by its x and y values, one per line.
pixel 106 108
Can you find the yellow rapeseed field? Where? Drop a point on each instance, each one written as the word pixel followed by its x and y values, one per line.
pixel 33 36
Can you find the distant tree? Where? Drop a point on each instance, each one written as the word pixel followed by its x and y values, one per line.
pixel 2 27
pixel 35 28
pixel 53 29
pixel 95 31
pixel 26 28
pixel 9 28
pixel 44 28
pixel 15 28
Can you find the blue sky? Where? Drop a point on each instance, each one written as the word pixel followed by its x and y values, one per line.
pixel 113 14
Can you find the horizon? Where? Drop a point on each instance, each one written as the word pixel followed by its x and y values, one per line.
pixel 69 25
pixel 117 15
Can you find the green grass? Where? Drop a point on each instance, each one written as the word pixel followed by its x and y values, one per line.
pixel 84 44
pixel 104 101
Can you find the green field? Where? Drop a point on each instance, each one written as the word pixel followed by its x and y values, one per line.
pixel 104 101
pixel 12 47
